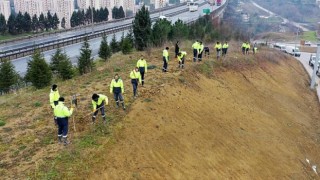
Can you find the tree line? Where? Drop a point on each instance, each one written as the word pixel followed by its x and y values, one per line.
pixel 21 23
pixel 142 36
pixel 83 17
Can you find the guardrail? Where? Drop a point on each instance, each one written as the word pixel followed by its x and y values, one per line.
pixel 88 25
pixel 45 46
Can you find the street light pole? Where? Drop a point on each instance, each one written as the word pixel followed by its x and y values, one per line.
pixel 315 67
pixel 92 16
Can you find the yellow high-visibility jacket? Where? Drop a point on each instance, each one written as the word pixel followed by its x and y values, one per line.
pixel 142 63
pixel 225 46
pixel 135 75
pixel 165 54
pixel 61 111
pixel 54 96
pixel 183 53
pixel 116 86
pixel 218 46
pixel 100 100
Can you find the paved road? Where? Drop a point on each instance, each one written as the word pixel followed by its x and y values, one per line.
pixel 73 50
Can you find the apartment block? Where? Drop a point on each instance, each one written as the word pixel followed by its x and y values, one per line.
pixel 64 9
pixel 5 8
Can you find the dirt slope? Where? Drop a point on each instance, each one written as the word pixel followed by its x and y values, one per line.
pixel 259 123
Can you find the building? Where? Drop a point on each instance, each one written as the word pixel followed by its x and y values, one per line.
pixel 48 5
pixel 5 8
pixel 64 9
pixel 31 6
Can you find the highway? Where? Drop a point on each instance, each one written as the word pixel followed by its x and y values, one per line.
pixel 73 50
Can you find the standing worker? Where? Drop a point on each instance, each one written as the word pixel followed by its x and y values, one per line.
pixel 181 57
pixel 255 48
pixel 225 47
pixel 177 49
pixel 143 68
pixel 243 47
pixel 62 113
pixel 195 47
pixel 54 98
pixel 116 87
pixel 99 101
pixel 165 57
pixel 135 79
pixel 200 51
pixel 218 48
pixel 247 47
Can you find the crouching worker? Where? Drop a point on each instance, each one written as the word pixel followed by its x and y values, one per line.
pixel 116 87
pixel 62 113
pixel 98 102
pixel 181 57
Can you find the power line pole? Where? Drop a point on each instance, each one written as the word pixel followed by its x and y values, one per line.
pixel 315 67
pixel 92 16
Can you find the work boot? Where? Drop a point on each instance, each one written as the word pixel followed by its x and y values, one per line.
pixel 93 120
pixel 104 120
pixel 117 105
pixel 65 141
pixel 60 139
pixel 123 107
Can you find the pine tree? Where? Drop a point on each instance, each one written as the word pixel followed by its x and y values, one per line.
pixel 73 19
pixel 35 23
pixel 19 22
pixel 179 30
pixel 104 51
pixel 85 62
pixel 121 12
pixel 12 24
pixel 130 37
pixel 55 21
pixel 126 47
pixel 8 76
pixel 27 22
pixel 61 65
pixel 38 71
pixel 49 21
pixel 115 13
pixel 63 23
pixel 160 32
pixel 142 28
pixel 114 45
pixel 3 24
pixel 42 22
pixel 121 40
pixel 106 14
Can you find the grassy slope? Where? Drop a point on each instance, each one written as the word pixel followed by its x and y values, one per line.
pixel 192 125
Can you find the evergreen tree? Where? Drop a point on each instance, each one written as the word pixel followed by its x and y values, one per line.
pixel 130 37
pixel 55 21
pixel 79 18
pixel 160 32
pixel 38 71
pixel 104 51
pixel 61 65
pixel 12 25
pixel 8 76
pixel 126 47
pixel 179 30
pixel 42 22
pixel 105 14
pixel 19 22
pixel 142 28
pixel 121 13
pixel 85 62
pixel 35 23
pixel 3 24
pixel 114 45
pixel 88 15
pixel 121 40
pixel 49 21
pixel 73 19
pixel 63 23
pixel 27 24
pixel 115 13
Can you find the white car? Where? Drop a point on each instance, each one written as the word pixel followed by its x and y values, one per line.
pixel 294 51
pixel 312 60
pixel 307 43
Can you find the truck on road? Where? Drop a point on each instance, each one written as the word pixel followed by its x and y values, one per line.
pixel 294 51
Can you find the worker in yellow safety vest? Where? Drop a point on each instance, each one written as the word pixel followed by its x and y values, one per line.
pixel 165 57
pixel 53 99
pixel 62 113
pixel 143 68
pixel 247 47
pixel 225 47
pixel 181 57
pixel 116 87
pixel 218 48
pixel 243 47
pixel 135 80
pixel 99 101
pixel 195 47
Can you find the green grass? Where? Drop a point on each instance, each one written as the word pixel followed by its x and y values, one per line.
pixel 10 37
pixel 2 123
pixel 310 36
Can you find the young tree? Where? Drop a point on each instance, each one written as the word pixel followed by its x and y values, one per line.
pixel 142 28
pixel 61 65
pixel 104 51
pixel 38 71
pixel 126 47
pixel 3 24
pixel 121 40
pixel 63 23
pixel 115 13
pixel 105 14
pixel 179 30
pixel 35 23
pixel 121 13
pixel 8 76
pixel 27 22
pixel 130 37
pixel 73 19
pixel 114 45
pixel 160 32
pixel 12 25
pixel 49 22
pixel 55 21
pixel 42 22
pixel 19 22
pixel 85 62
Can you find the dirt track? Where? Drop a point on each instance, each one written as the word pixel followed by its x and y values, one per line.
pixel 257 124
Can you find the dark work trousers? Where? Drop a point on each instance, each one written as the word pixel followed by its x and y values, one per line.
pixel 165 65
pixel 224 51
pixel 200 57
pixel 102 109
pixel 134 83
pixel 206 51
pixel 243 50
pixel 62 126
pixel 142 71
pixel 195 55
pixel 55 118
pixel 247 50
pixel 181 63
pixel 118 97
